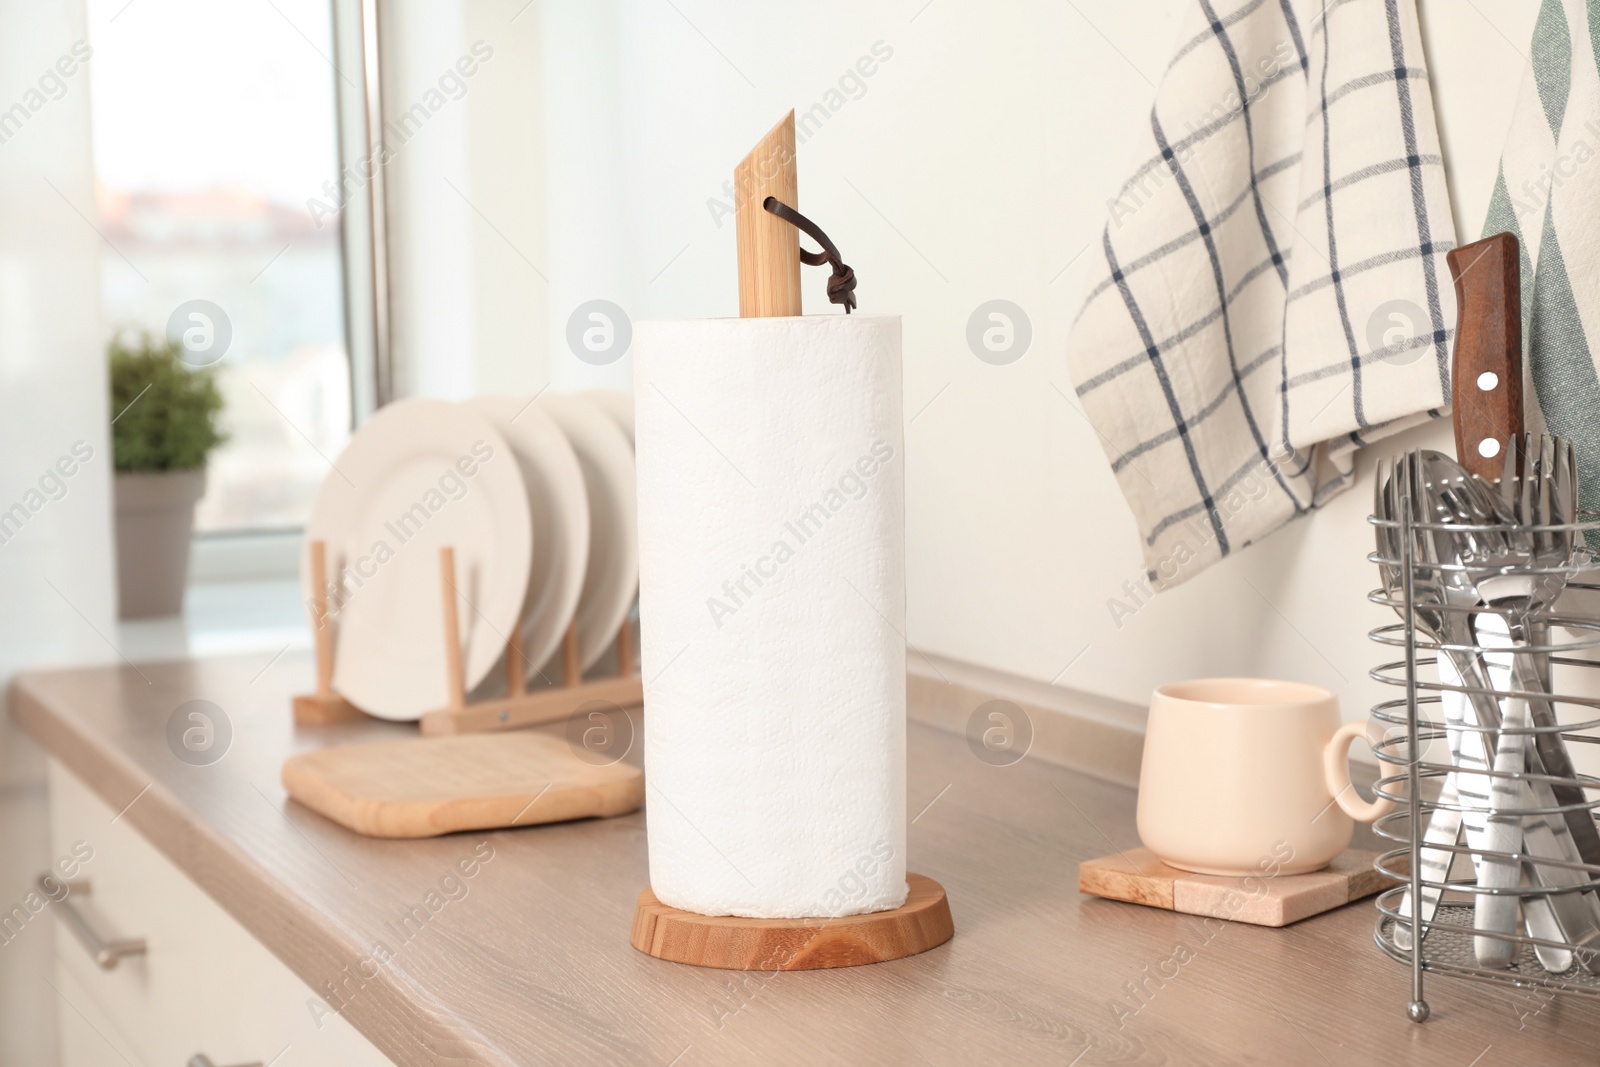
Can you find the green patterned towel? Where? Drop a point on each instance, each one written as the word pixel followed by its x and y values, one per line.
pixel 1547 194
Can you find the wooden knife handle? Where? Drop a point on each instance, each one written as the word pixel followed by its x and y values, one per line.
pixel 1486 392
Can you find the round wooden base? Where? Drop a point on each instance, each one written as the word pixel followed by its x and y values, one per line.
pixel 794 944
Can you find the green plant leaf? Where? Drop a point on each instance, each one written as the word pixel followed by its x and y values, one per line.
pixel 169 410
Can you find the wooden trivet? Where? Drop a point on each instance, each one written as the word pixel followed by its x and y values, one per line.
pixel 426 786
pixel 921 923
pixel 1138 877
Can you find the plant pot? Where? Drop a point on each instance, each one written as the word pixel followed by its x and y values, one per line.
pixel 155 520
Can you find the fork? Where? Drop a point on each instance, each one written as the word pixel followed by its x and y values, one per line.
pixel 1433 614
pixel 1517 784
pixel 1544 495
pixel 1444 489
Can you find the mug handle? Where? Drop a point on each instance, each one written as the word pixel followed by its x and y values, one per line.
pixel 1336 774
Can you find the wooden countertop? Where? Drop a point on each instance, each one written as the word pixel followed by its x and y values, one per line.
pixel 533 965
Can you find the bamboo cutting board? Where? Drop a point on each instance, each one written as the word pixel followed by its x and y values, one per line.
pixel 426 786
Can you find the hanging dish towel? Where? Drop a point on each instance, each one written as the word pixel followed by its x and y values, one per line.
pixel 1547 194
pixel 1273 292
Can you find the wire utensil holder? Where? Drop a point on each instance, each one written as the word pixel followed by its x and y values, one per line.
pixel 1426 777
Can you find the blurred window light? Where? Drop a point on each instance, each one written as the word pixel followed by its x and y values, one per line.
pixel 214 125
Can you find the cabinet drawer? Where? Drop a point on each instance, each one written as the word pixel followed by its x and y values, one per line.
pixel 87 1037
pixel 203 984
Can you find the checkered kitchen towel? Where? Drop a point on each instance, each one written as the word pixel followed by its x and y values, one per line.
pixel 1549 196
pixel 1274 292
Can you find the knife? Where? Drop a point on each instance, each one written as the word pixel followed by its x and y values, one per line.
pixel 1486 383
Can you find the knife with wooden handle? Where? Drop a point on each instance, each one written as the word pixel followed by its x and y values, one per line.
pixel 1486 391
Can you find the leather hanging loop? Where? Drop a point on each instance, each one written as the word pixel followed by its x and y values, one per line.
pixel 842 285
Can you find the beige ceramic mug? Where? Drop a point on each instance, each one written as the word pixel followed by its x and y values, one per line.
pixel 1244 775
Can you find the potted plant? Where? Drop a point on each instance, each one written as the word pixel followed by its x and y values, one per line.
pixel 164 426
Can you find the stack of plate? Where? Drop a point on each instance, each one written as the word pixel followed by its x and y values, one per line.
pixel 536 496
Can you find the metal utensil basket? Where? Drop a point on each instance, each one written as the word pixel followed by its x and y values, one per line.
pixel 1419 761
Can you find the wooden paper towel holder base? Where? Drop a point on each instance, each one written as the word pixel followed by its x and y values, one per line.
pixel 518 708
pixel 732 943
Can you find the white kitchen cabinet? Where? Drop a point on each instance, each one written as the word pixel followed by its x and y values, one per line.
pixel 87 1037
pixel 203 985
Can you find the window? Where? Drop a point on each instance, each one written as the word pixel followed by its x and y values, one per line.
pixel 214 124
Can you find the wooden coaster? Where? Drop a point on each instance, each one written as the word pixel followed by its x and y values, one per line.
pixel 795 944
pixel 1138 877
pixel 422 787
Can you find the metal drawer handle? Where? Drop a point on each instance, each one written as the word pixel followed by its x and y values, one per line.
pixel 200 1059
pixel 105 953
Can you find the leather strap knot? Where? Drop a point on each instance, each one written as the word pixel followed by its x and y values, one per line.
pixel 842 285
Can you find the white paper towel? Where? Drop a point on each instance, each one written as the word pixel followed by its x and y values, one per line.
pixel 772 613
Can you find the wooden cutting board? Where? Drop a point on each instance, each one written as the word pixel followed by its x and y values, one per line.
pixel 426 786
pixel 1138 877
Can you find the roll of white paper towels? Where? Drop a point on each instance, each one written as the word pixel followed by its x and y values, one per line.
pixel 772 613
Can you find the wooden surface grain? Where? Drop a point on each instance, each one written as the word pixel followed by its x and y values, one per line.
pixel 1138 876
pixel 427 786
pixel 921 923
pixel 1488 351
pixel 528 960
pixel 769 248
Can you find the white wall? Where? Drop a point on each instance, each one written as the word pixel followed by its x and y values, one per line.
pixel 52 366
pixel 974 163
pixel 56 579
pixel 593 254
pixel 467 211
pixel 430 201
pixel 506 138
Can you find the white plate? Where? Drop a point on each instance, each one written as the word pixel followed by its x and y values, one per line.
pixel 617 405
pixel 612 578
pixel 560 506
pixel 399 492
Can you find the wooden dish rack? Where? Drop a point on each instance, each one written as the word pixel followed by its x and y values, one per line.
pixel 519 707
